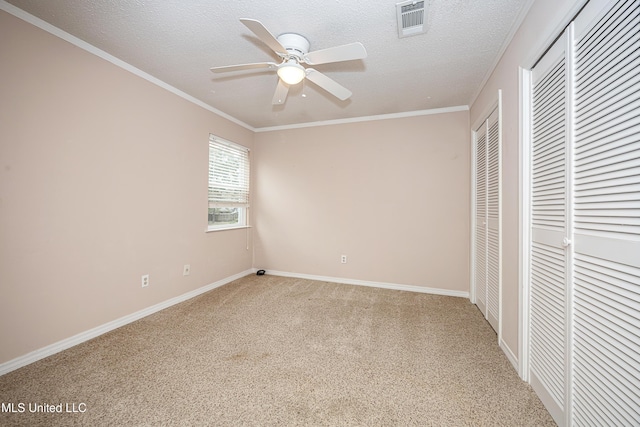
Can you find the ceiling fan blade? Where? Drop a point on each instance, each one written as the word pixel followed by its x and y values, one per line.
pixel 328 84
pixel 345 52
pixel 281 93
pixel 263 34
pixel 240 67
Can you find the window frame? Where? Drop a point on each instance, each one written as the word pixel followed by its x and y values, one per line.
pixel 238 196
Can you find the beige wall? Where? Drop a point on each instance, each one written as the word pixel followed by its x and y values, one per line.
pixel 392 195
pixel 541 25
pixel 103 178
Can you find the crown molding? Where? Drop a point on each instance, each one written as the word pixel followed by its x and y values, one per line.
pixel 366 118
pixel 51 29
pixel 45 26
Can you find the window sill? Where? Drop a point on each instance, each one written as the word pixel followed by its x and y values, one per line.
pixel 235 227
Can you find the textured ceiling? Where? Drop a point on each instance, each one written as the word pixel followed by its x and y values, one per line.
pixel 177 41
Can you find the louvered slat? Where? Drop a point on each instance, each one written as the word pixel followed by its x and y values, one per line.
pixel 547 281
pixel 493 276
pixel 481 176
pixel 607 352
pixel 548 207
pixel 607 206
pixel 493 214
pixel 548 318
pixel 481 220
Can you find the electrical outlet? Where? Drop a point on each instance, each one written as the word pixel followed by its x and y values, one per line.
pixel 145 280
pixel 343 259
pixel 186 270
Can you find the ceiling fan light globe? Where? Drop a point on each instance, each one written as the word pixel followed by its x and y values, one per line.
pixel 291 73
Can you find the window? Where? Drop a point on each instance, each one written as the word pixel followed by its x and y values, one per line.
pixel 228 184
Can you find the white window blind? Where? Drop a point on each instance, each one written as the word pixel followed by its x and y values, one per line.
pixel 229 174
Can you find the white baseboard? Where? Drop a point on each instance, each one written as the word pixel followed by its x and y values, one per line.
pixel 102 329
pixel 512 357
pixel 410 288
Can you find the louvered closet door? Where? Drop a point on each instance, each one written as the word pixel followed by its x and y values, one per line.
pixel 493 219
pixel 606 355
pixel 480 267
pixel 549 228
pixel 487 222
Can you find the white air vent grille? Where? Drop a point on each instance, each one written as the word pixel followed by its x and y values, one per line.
pixel 411 18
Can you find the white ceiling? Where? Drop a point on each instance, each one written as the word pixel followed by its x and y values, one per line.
pixel 177 41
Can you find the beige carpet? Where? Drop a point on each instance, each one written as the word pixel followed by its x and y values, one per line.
pixel 267 350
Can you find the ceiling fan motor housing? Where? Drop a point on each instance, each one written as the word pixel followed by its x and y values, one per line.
pixel 295 44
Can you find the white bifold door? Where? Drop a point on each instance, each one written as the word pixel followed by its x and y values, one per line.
pixel 584 250
pixel 486 244
pixel 550 232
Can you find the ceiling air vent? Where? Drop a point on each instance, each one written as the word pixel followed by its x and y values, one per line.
pixel 411 18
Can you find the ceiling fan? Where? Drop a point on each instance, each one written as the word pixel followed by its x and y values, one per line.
pixel 293 49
